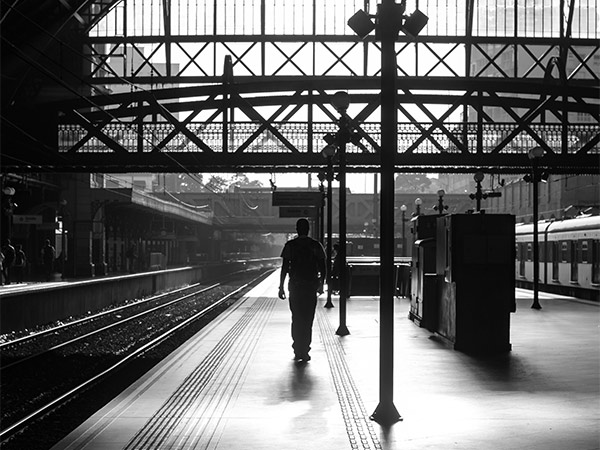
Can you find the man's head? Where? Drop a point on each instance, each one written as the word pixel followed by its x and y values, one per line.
pixel 302 227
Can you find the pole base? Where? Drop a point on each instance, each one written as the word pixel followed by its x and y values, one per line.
pixel 328 303
pixel 342 331
pixel 386 414
pixel 536 305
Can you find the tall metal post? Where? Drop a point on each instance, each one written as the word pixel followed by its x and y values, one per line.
pixel 386 412
pixel 536 249
pixel 343 329
pixel 534 155
pixel 329 304
pixel 390 19
pixel 403 210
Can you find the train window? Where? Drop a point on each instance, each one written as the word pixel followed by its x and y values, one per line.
pixel 542 247
pixel 555 261
pixel 584 252
pixel 564 251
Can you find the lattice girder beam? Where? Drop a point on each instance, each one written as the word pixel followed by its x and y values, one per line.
pixel 451 141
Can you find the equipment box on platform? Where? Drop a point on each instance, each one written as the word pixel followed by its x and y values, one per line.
pixel 475 262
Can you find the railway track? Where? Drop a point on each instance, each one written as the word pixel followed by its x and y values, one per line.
pixel 42 372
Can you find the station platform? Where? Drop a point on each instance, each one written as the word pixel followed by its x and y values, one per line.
pixel 235 386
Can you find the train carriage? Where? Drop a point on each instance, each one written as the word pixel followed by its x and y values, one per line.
pixel 569 256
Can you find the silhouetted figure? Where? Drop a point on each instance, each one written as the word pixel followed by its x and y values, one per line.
pixel 48 256
pixel 9 260
pixel 20 264
pixel 304 262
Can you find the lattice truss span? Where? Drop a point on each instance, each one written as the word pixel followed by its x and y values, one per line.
pixel 204 85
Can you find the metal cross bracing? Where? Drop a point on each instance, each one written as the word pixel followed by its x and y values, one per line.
pixel 237 90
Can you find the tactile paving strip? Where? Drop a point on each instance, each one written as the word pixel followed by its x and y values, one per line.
pixel 359 427
pixel 190 416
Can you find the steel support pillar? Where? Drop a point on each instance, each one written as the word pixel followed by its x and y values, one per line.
pixel 329 304
pixel 536 247
pixel 386 412
pixel 343 329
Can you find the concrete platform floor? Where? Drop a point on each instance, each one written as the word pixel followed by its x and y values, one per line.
pixel 234 385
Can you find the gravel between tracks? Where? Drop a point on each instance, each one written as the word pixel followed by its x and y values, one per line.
pixel 28 388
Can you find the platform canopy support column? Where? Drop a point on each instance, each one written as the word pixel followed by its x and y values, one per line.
pixel 390 19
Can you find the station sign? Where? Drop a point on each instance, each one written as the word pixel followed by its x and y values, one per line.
pixel 29 219
pixel 298 211
pixel 297 198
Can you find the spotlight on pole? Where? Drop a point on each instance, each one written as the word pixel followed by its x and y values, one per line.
pixel 361 24
pixel 414 23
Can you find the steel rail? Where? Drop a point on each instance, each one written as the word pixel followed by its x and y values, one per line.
pixel 87 319
pixel 107 327
pixel 23 423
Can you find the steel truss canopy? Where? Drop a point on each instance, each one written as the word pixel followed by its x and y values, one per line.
pixel 173 86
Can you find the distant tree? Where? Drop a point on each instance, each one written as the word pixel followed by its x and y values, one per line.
pixel 241 179
pixel 217 183
pixel 413 182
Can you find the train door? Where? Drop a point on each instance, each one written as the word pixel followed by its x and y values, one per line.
pixel 555 257
pixel 574 261
pixel 596 262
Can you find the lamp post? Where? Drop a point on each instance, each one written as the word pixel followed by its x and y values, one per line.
pixel 479 194
pixel 389 21
pixel 328 153
pixel 341 101
pixel 418 203
pixel 403 209
pixel 8 207
pixel 440 207
pixel 535 154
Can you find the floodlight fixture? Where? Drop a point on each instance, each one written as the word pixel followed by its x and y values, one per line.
pixel 328 151
pixel 361 24
pixel 535 153
pixel 341 101
pixel 414 23
pixel 329 138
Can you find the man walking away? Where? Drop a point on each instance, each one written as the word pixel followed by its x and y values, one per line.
pixel 304 262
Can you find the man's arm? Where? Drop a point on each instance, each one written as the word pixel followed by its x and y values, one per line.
pixel 322 274
pixel 284 271
pixel 322 266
